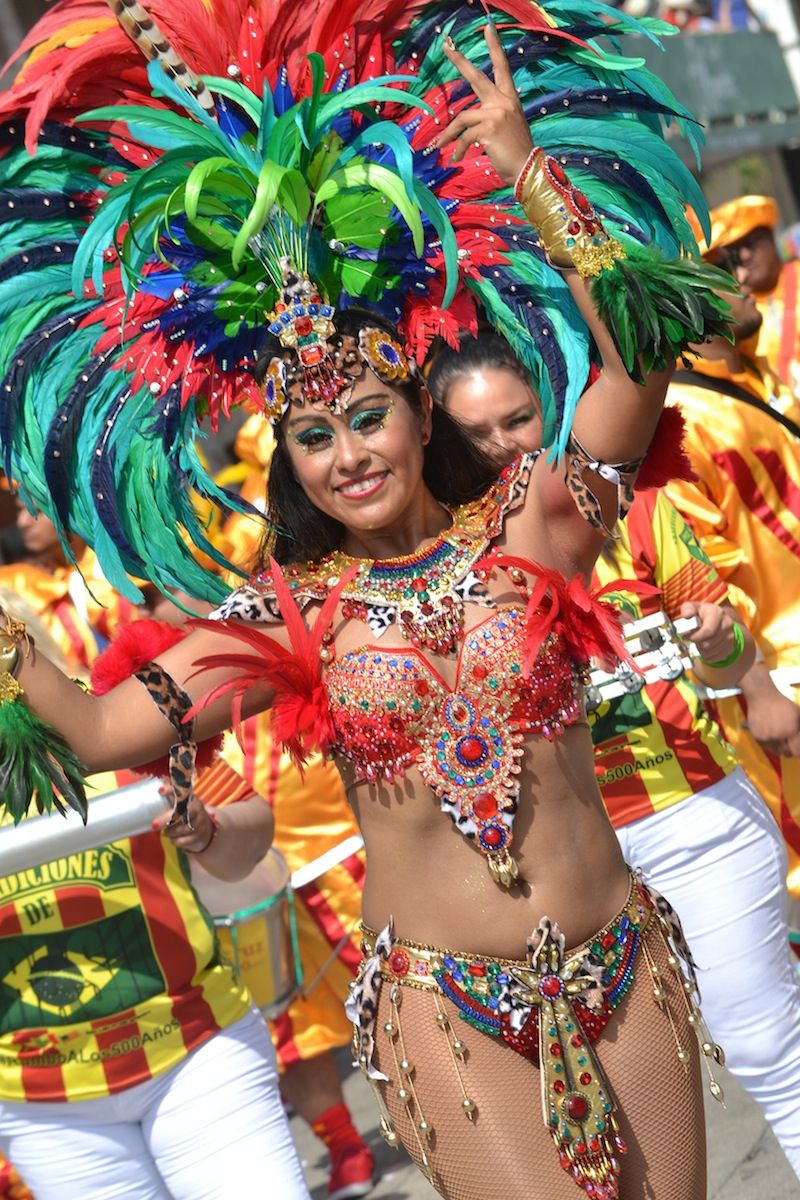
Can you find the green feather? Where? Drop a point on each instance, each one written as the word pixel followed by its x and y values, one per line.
pixel 38 767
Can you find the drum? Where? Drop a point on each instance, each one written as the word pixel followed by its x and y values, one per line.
pixel 254 919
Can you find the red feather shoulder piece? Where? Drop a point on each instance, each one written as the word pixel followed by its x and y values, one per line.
pixel 589 625
pixel 666 458
pixel 131 650
pixel 301 720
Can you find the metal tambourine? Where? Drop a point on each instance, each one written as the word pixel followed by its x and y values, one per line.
pixel 661 649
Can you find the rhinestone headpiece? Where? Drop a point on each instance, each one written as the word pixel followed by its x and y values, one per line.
pixel 321 366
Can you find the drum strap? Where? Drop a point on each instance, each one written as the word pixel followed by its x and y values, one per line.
pixel 174 703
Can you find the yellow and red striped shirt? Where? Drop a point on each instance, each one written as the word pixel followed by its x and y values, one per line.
pixel 109 972
pixel 658 746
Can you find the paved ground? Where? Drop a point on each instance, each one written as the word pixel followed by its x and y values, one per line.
pixel 744 1160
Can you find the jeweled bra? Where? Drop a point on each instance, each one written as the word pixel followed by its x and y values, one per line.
pixel 391 709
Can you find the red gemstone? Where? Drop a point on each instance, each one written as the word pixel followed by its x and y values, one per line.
pixel 479 672
pixel 607 940
pixel 471 749
pixel 594 1145
pixel 310 356
pixel 419 584
pixel 484 806
pixel 303 326
pixel 574 228
pixel 478 969
pixel 580 1147
pixel 551 985
pixel 399 962
pixel 559 1086
pixel 421 687
pixel 585 1078
pixel 577 1108
pixel 555 170
pixel 576 1039
pixel 280 307
pixel 492 837
pixel 582 204
pixel 555 1050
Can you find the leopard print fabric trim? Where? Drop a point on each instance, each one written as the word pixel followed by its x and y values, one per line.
pixel 361 1005
pixel 174 703
pixel 622 475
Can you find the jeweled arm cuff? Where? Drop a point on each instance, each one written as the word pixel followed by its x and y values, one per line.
pixel 13 634
pixel 570 231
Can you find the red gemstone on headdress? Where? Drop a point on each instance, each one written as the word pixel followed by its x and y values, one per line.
pixel 608 940
pixel 585 1078
pixel 551 986
pixel 311 356
pixel 492 837
pixel 472 749
pixel 555 1050
pixel 577 1108
pixel 559 1086
pixel 303 326
pixel 477 969
pixel 576 1039
pixel 484 806
pixel 280 307
pixel 419 584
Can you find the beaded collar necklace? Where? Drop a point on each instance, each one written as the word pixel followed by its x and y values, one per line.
pixel 422 595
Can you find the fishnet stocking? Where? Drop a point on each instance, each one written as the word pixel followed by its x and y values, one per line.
pixel 505 1150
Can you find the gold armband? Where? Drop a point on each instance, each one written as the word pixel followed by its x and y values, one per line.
pixel 12 635
pixel 570 231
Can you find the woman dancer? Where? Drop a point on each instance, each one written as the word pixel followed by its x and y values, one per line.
pixel 389 530
pixel 694 824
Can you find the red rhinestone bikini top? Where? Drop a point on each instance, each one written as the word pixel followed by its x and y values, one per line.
pixel 518 673
pixel 391 709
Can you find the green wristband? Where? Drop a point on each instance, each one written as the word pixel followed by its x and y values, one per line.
pixel 735 654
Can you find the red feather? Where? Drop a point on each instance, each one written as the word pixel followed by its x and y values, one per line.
pixel 667 458
pixel 301 720
pixel 589 626
pixel 131 650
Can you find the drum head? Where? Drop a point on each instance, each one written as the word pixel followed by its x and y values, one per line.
pixel 221 898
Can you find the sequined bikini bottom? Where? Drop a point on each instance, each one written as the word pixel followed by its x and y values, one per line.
pixel 549 1007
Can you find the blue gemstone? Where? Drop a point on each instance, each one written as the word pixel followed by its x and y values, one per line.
pixel 495 764
pixel 377 658
pixel 392 662
pixel 494 1002
pixel 408 664
pixel 484 722
pixel 327 311
pixel 275 327
pixel 449 961
pixel 285 318
pixel 503 979
pixel 312 309
pixel 389 353
pixel 459 978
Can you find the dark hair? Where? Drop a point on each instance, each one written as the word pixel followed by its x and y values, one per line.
pixel 487 350
pixel 454 469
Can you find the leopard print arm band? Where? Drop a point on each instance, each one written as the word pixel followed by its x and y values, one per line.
pixel 174 703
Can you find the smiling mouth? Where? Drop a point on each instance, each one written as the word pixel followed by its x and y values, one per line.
pixel 357 489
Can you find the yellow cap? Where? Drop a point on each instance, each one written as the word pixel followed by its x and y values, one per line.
pixel 734 220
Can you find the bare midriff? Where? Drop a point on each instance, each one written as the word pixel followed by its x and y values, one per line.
pixel 436 886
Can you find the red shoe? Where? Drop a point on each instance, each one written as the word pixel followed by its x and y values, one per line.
pixel 352 1172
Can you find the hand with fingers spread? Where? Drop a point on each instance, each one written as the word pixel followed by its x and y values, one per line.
pixel 497 122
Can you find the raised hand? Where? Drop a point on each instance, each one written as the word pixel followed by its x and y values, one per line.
pixel 496 122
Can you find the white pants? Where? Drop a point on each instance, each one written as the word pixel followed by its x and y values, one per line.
pixel 720 860
pixel 212 1126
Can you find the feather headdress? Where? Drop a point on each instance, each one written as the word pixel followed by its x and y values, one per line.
pixel 145 211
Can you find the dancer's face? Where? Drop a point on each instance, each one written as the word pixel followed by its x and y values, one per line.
pixel 498 410
pixel 362 467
